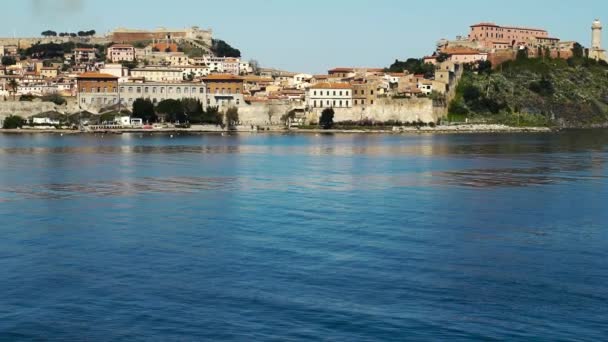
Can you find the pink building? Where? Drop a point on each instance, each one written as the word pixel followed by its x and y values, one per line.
pixel 492 36
pixel 121 53
pixel 465 55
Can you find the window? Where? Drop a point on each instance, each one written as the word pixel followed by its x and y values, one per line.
pixel 315 93
pixel 355 102
pixel 178 90
pixel 138 90
pixel 146 90
pixel 371 92
pixel 340 103
pixel 314 104
pixel 340 93
pixel 202 90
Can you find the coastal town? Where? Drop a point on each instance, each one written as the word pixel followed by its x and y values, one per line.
pixel 172 78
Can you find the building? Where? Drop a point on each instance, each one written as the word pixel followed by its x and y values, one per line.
pixel 124 35
pixel 224 90
pixel 364 92
pixel 330 95
pixel 85 55
pixel 465 56
pixel 352 72
pixel 158 74
pixel 96 89
pixel 190 72
pixel 492 36
pixel 597 52
pixel 49 72
pixel 159 91
pixel 117 70
pixel 121 53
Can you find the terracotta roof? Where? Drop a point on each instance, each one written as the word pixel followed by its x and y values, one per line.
pixel 335 70
pixel 331 86
pixel 320 76
pixel 258 79
pixel 96 75
pixel 461 51
pixel 222 77
pixel 508 27
pixel 123 46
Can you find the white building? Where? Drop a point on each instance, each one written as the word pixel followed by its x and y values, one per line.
pixel 192 71
pixel 156 74
pixel 330 95
pixel 116 70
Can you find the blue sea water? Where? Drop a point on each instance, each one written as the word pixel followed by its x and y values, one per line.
pixel 304 237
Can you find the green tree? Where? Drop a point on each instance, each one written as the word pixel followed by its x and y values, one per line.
pixel 522 54
pixel 212 116
pixel 13 86
pixel 193 109
pixel 144 109
pixel 49 33
pixel 578 51
pixel 222 49
pixel 327 118
pixel 172 110
pixel 55 98
pixel 13 122
pixel 232 116
pixel 8 60
pixel 442 57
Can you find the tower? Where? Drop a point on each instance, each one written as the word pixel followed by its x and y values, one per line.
pixel 596 51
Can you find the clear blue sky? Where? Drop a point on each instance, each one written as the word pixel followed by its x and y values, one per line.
pixel 310 35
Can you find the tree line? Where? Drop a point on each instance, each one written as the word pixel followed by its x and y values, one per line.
pixel 51 33
pixel 186 111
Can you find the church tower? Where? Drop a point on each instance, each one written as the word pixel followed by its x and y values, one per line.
pixel 596 52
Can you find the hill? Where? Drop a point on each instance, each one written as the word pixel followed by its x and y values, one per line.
pixel 535 91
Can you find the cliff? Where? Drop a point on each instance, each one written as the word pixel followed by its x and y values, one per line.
pixel 525 92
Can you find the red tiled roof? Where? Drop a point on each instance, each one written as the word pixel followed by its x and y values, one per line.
pixel 331 86
pixel 96 75
pixel 222 77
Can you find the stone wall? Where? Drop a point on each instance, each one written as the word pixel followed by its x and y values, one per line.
pixel 26 108
pixel 404 110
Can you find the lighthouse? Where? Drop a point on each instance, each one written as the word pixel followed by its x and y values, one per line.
pixel 596 51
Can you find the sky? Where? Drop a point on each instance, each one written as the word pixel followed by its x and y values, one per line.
pixel 310 35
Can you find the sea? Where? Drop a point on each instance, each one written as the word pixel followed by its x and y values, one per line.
pixel 304 237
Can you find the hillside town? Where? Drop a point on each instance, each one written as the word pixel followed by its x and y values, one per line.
pixel 83 73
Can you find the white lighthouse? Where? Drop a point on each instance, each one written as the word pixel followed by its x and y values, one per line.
pixel 596 52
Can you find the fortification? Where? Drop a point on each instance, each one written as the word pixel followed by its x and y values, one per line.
pixel 124 35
